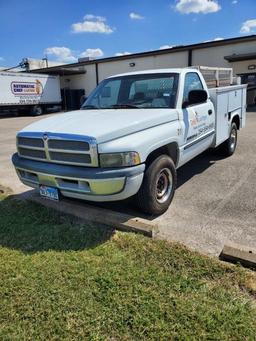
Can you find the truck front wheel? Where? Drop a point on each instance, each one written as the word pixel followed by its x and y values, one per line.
pixel 158 187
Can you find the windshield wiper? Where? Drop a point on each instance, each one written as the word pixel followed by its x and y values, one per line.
pixel 123 106
pixel 89 106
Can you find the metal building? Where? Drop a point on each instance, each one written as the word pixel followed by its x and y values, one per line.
pixel 238 53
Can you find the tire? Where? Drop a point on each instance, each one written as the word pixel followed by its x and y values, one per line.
pixel 157 190
pixel 229 146
pixel 37 110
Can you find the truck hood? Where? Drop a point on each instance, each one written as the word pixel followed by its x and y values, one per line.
pixel 104 124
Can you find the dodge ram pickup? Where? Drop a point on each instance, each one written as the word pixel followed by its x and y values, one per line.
pixel 131 135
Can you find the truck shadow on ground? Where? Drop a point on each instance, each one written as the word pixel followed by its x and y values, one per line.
pixel 31 228
pixel 197 166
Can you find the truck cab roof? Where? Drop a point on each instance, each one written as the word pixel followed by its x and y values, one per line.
pixel 154 71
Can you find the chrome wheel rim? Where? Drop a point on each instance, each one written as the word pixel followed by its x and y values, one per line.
pixel 233 139
pixel 164 183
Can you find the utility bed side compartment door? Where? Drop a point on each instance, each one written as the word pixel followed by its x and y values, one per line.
pixel 222 124
pixel 234 100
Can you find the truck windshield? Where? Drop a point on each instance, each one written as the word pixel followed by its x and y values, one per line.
pixel 135 91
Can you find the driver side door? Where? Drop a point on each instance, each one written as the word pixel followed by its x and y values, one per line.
pixel 198 119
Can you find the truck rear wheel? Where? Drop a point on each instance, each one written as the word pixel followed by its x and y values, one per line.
pixel 37 110
pixel 229 146
pixel 158 187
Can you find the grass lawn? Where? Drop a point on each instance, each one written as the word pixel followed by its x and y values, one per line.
pixel 64 280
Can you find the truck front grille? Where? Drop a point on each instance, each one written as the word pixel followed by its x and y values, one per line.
pixel 32 153
pixel 58 148
pixel 71 158
pixel 70 145
pixel 31 142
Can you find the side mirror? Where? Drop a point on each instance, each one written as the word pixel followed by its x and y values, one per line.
pixel 197 96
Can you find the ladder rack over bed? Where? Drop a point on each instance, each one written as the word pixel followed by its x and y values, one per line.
pixel 216 76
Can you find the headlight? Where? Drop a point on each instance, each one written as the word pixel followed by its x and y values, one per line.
pixel 119 159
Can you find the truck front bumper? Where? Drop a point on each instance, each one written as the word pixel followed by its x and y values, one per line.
pixel 93 184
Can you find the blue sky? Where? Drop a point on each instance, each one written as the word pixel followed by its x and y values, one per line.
pixel 67 29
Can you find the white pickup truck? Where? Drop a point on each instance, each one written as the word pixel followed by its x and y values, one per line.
pixel 130 136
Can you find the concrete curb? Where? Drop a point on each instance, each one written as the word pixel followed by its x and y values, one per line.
pixel 83 211
pixel 239 254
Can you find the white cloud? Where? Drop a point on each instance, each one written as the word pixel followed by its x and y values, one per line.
pixel 118 54
pixel 248 26
pixel 66 55
pixel 92 53
pixel 135 16
pixel 197 6
pixel 163 47
pixel 92 24
pixel 62 54
pixel 94 17
pixel 234 2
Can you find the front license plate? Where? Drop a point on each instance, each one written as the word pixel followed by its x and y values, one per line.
pixel 51 193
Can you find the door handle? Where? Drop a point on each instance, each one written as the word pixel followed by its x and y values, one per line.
pixel 210 112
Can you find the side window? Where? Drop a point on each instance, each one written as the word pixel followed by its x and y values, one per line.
pixel 192 82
